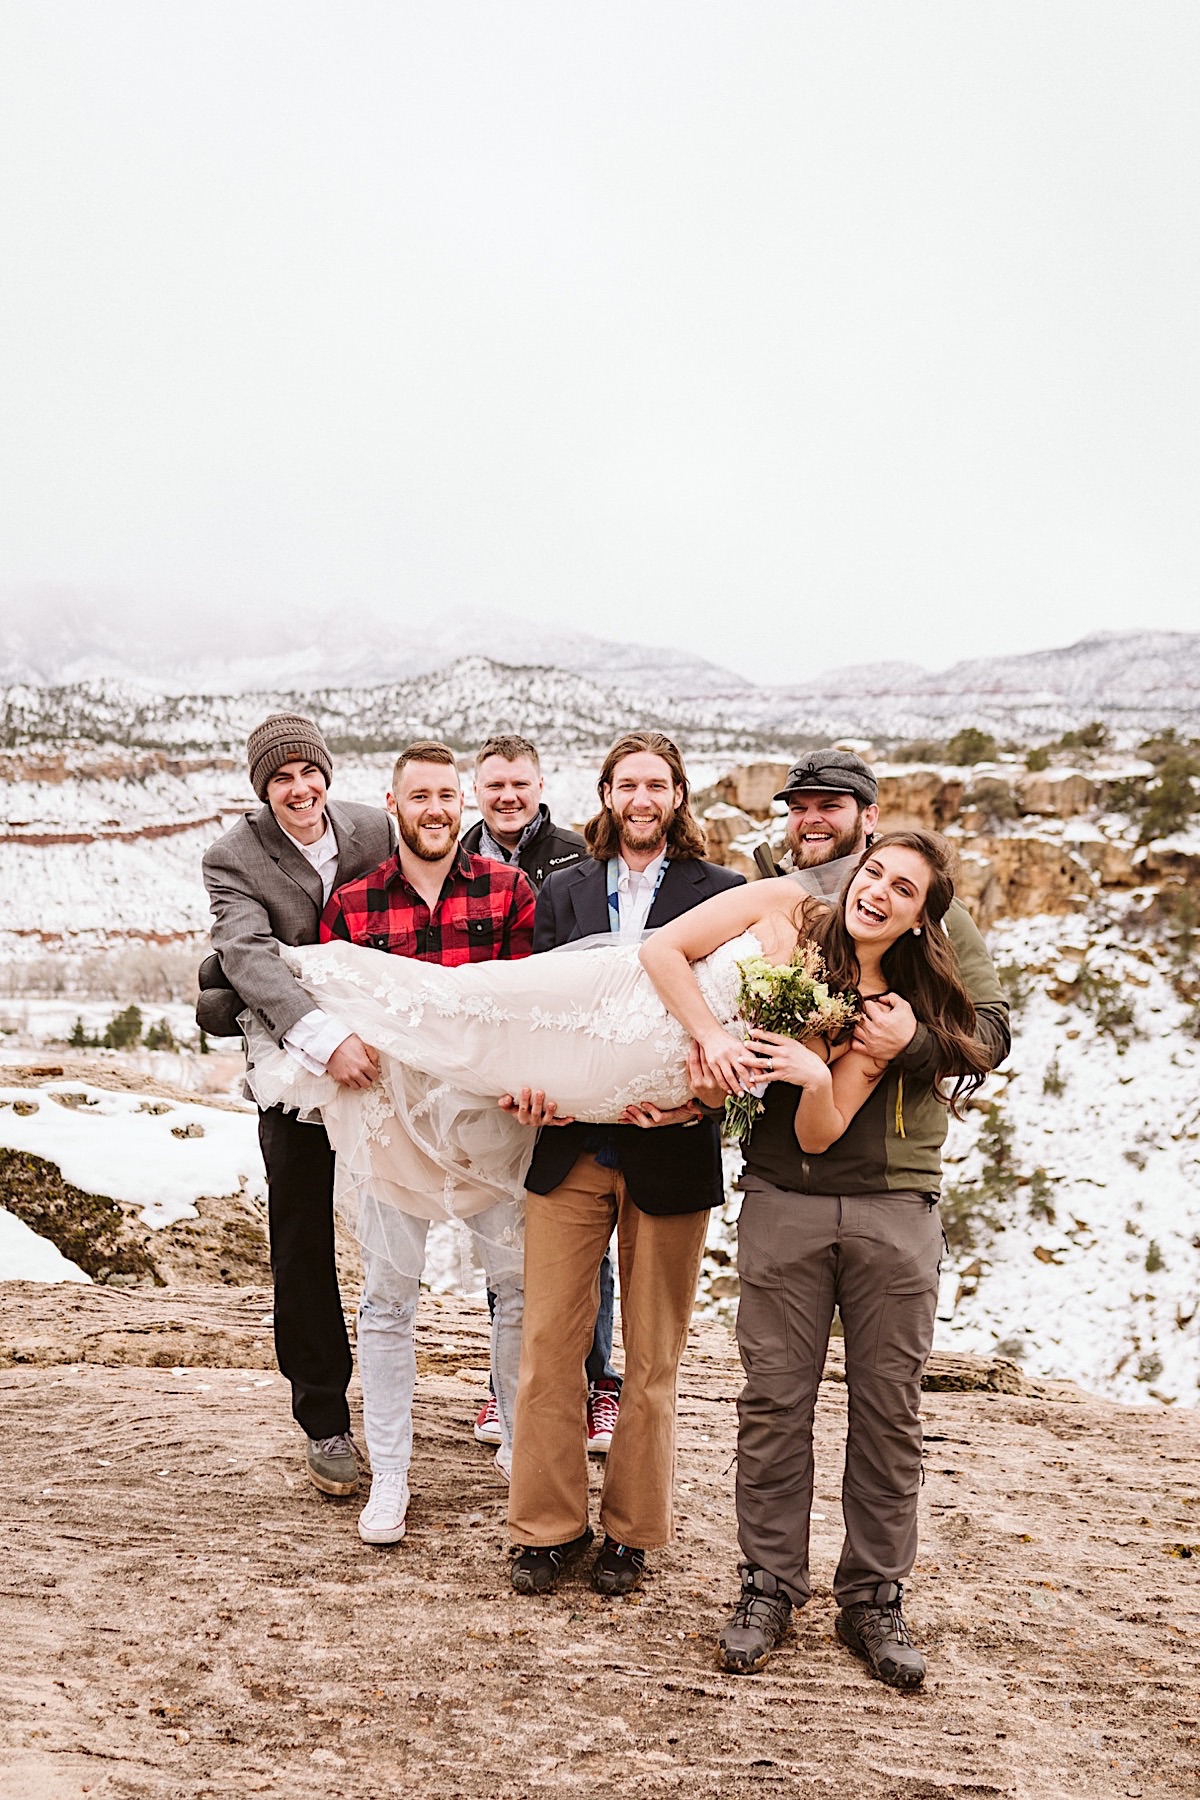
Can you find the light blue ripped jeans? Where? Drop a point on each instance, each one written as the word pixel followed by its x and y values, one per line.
pixel 387 1357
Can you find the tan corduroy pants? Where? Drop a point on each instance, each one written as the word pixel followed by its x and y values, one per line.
pixel 566 1233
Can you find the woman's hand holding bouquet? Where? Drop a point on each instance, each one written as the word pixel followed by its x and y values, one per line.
pixel 784 1004
pixel 788 1059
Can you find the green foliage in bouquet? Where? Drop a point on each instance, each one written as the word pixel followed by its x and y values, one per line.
pixel 792 998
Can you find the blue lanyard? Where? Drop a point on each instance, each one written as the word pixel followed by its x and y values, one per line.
pixel 614 899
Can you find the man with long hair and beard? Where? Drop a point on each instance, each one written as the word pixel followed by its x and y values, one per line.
pixel 654 1177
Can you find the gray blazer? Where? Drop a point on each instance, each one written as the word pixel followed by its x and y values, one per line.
pixel 263 893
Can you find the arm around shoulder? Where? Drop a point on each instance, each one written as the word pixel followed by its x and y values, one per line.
pixel 978 975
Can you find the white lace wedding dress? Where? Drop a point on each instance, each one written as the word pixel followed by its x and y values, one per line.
pixel 428 1141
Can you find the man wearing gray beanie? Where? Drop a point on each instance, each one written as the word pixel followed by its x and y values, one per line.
pixel 268 879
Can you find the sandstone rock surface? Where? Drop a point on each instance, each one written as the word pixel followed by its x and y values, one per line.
pixel 1172 865
pixel 184 1615
pixel 722 825
pixel 918 797
pixel 752 786
pixel 1018 877
pixel 1057 793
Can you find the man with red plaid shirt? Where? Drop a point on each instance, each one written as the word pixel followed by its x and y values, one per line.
pixel 433 901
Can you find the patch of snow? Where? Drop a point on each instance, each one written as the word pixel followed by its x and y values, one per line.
pixel 115 1145
pixel 24 1256
pixel 1112 1300
pixel 1186 843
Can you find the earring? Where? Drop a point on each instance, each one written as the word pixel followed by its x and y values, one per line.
pixel 916 931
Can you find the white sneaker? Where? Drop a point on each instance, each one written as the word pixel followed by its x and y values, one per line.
pixel 503 1461
pixel 381 1520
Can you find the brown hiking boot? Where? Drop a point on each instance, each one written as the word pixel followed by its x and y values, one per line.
pixel 876 1631
pixel 760 1618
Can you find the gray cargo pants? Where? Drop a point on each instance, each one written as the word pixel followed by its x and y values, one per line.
pixel 874 1256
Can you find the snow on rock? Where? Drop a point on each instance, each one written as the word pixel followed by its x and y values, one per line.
pixel 1092 1270
pixel 160 1155
pixel 24 1256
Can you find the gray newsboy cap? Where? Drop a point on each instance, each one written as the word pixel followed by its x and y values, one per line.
pixel 835 771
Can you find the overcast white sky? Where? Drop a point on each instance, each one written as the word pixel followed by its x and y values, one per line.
pixel 806 334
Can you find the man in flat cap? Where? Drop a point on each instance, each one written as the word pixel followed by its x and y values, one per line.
pixel 832 801
pixel 787 1261
pixel 268 879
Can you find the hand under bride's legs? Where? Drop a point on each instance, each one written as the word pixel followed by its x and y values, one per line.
pixel 387 1362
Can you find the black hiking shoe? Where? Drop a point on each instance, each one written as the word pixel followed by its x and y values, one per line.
pixel 760 1619
pixel 618 1568
pixel 876 1631
pixel 536 1570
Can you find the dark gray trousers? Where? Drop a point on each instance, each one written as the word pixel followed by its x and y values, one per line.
pixel 876 1258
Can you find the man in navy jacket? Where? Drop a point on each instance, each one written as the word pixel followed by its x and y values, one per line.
pixel 654 1177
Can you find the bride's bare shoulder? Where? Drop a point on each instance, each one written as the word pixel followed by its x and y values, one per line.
pixel 779 894
pixel 784 913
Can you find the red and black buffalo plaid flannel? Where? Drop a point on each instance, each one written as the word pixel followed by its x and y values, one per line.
pixel 484 913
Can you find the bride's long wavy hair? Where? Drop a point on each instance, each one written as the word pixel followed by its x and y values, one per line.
pixel 685 836
pixel 923 970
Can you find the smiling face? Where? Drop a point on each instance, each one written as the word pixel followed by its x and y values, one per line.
pixel 887 897
pixel 643 799
pixel 296 796
pixel 823 826
pixel 427 808
pixel 509 795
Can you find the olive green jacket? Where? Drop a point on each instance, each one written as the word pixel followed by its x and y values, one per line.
pixel 894 1142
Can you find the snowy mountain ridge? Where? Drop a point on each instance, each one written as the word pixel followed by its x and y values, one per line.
pixel 1137 682
pixel 360 663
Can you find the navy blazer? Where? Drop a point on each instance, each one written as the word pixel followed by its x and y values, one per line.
pixel 670 1169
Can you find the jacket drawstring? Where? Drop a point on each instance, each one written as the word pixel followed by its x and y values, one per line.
pixel 900 1132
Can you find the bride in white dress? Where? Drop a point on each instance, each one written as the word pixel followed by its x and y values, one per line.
pixel 588 1024
pixel 428 1140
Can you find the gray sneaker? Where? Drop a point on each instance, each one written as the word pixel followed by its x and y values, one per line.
pixel 333 1464
pixel 760 1619
pixel 876 1631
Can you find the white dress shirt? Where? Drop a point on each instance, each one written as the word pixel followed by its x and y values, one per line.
pixel 313 1039
pixel 635 893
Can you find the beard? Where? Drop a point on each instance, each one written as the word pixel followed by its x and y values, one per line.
pixel 413 837
pixel 810 856
pixel 644 836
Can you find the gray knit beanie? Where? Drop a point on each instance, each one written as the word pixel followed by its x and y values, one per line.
pixel 284 738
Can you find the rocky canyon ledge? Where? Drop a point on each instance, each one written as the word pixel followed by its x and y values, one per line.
pixel 184 1615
